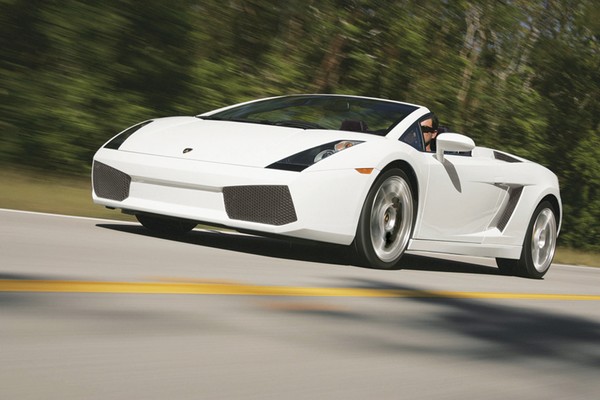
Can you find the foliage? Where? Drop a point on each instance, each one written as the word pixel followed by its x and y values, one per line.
pixel 519 75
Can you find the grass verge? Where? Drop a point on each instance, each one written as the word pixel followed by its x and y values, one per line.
pixel 55 194
pixel 68 195
pixel 576 257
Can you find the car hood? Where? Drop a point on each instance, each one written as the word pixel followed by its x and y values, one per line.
pixel 228 142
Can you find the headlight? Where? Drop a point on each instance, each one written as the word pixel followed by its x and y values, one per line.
pixel 118 140
pixel 306 158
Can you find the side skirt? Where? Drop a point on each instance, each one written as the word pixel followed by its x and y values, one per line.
pixel 467 249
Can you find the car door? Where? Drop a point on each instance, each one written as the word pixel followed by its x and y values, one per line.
pixel 460 198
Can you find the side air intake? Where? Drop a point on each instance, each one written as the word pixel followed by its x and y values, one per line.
pixel 110 183
pixel 505 157
pixel 514 195
pixel 265 204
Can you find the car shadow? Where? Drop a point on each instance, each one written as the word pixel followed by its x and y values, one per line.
pixel 504 332
pixel 299 250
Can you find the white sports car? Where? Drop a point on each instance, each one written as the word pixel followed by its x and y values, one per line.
pixel 339 169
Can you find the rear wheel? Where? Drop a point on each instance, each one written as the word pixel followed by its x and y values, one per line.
pixel 386 221
pixel 538 247
pixel 165 225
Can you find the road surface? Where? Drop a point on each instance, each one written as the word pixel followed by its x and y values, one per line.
pixel 97 309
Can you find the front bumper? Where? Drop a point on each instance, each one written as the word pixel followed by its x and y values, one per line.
pixel 321 205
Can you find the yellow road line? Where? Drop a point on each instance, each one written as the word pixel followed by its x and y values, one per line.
pixel 50 286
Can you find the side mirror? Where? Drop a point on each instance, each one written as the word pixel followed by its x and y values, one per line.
pixel 452 142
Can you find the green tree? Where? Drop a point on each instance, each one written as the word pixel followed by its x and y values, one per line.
pixel 518 75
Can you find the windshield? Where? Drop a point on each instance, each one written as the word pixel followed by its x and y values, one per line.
pixel 321 112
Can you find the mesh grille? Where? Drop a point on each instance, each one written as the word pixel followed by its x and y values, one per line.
pixel 264 204
pixel 513 199
pixel 110 183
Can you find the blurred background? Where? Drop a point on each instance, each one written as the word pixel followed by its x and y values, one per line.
pixel 519 75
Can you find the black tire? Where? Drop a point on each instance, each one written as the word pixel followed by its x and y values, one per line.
pixel 538 247
pixel 386 221
pixel 507 266
pixel 165 225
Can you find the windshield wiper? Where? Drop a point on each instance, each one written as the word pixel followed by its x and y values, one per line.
pixel 243 120
pixel 286 123
pixel 298 124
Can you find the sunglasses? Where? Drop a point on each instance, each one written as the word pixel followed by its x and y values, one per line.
pixel 428 129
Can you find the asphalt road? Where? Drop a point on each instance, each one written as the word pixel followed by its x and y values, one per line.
pixel 96 309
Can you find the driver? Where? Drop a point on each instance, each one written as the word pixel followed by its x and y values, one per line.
pixel 429 127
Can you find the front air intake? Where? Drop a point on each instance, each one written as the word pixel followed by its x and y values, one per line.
pixel 110 183
pixel 265 204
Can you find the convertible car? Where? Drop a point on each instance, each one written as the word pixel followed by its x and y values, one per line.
pixel 338 169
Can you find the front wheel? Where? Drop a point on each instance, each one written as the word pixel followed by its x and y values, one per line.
pixel 538 247
pixel 165 225
pixel 386 221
